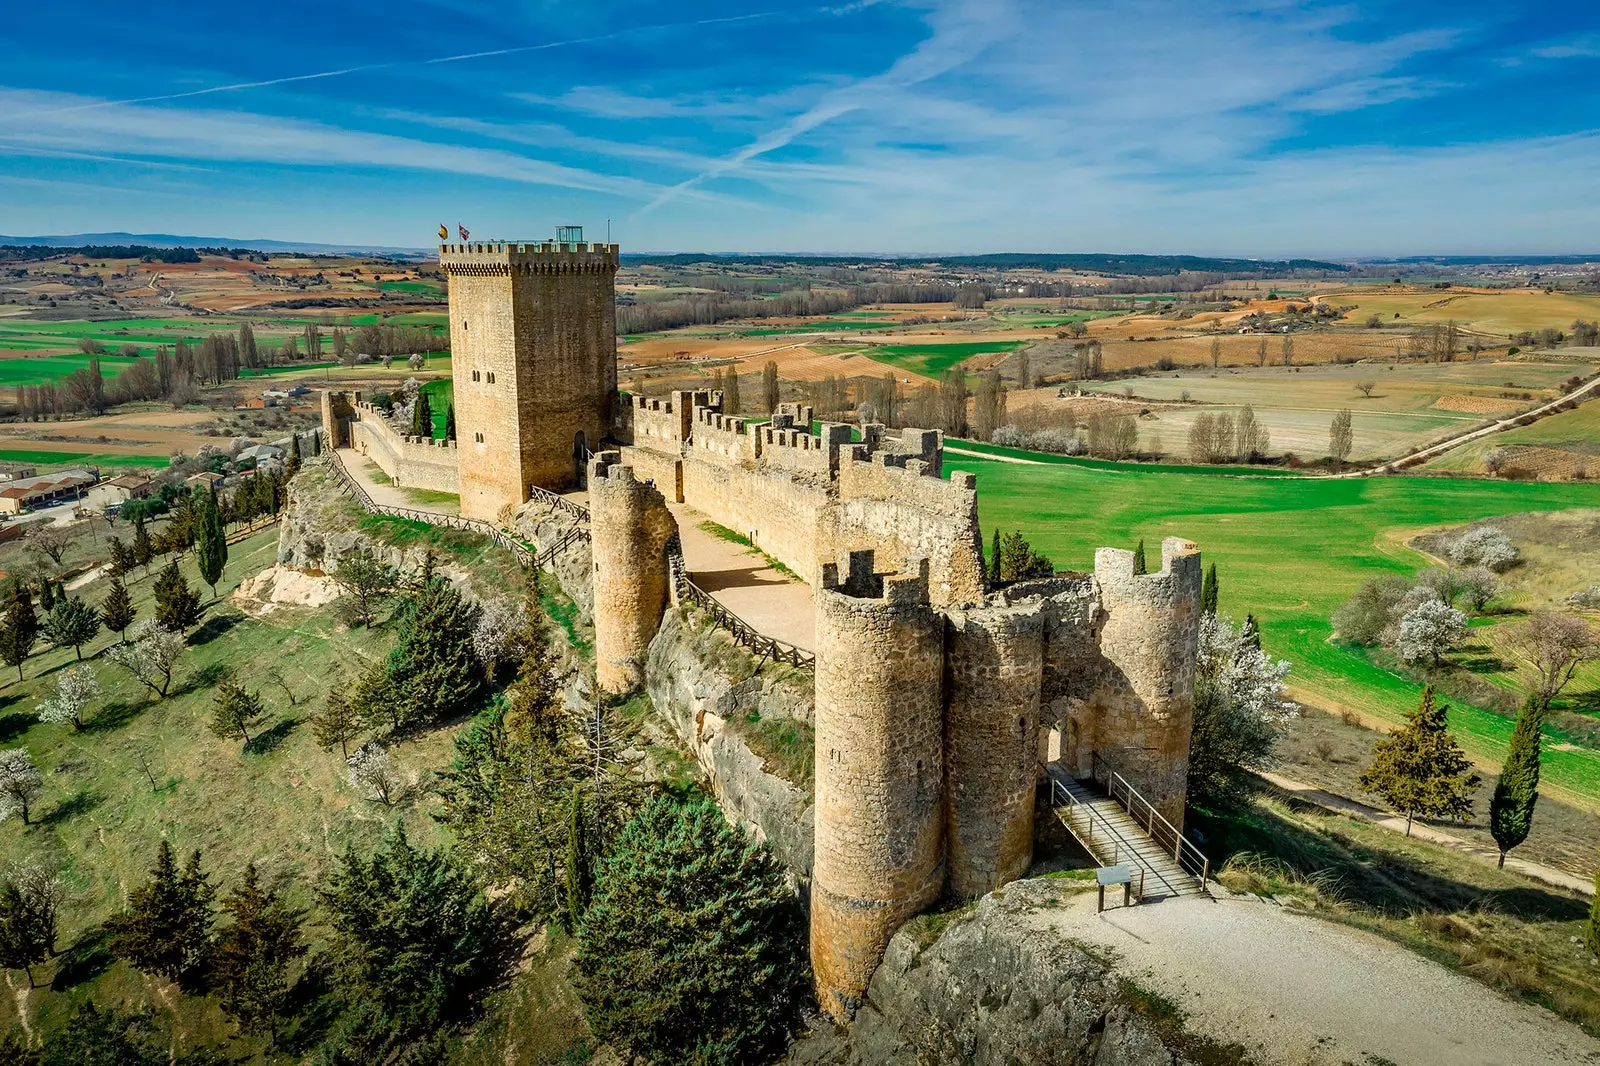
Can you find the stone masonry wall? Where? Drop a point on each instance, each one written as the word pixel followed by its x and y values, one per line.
pixel 879 771
pixel 410 461
pixel 629 528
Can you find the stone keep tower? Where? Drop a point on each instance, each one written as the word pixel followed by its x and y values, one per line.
pixel 879 833
pixel 533 343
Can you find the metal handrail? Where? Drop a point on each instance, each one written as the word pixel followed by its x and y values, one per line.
pixel 1190 859
pixel 558 502
pixel 1073 806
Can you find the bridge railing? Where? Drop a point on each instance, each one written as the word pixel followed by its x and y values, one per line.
pixel 1166 835
pixel 1096 834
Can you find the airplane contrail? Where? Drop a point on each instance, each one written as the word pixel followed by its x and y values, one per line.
pixel 239 86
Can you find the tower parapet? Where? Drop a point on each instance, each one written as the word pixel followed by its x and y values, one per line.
pixel 630 526
pixel 1149 642
pixel 533 343
pixel 879 769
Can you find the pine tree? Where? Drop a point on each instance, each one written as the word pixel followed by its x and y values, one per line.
pixel 166 929
pixel 450 422
pixel 118 610
pixel 235 710
pixel 577 864
pixel 23 617
pixel 177 605
pixel 1511 808
pixel 1208 591
pixel 12 649
pixel 211 540
pixel 432 670
pixel 27 928
pixel 716 977
pixel 1138 558
pixel 253 955
pixel 337 724
pixel 72 624
pixel 291 461
pixel 994 559
pixel 1420 769
pixel 47 595
pixel 143 550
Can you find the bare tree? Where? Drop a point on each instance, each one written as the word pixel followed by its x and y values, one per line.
pixel 1288 351
pixel 1366 387
pixel 1216 351
pixel 1555 644
pixel 1261 353
pixel 51 540
pixel 1341 438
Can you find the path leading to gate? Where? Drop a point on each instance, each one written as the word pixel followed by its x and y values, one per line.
pixel 385 493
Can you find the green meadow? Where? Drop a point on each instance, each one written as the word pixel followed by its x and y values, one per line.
pixel 931 360
pixel 1289 551
pixel 50 460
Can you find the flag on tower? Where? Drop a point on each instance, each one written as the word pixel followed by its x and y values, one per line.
pixel 444 232
pixel 463 229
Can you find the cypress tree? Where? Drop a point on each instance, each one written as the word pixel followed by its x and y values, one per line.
pixel 291 462
pixel 1208 591
pixel 450 422
pixel 143 551
pixel 211 541
pixel 72 624
pixel 253 956
pixel 47 596
pixel 1420 769
pixel 177 605
pixel 1511 808
pixel 422 416
pixel 1138 558
pixel 994 559
pixel 118 611
pixel 577 864
pixel 432 670
pixel 1252 632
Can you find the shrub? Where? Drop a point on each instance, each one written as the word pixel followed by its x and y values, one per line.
pixel 1484 546
pixel 1363 618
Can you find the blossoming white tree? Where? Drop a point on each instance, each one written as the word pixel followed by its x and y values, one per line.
pixel 1428 630
pixel 374 773
pixel 150 655
pixel 76 688
pixel 20 784
pixel 1240 709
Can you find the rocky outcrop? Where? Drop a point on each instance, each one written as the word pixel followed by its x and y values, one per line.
pixel 545 526
pixel 704 685
pixel 992 991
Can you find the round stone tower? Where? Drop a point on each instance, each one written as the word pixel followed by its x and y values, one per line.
pixel 1149 640
pixel 879 774
pixel 629 526
pixel 995 661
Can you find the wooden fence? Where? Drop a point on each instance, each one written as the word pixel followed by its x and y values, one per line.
pixel 742 632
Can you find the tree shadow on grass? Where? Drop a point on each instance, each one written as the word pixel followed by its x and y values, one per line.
pixel 268 740
pixel 15 724
pixel 1378 878
pixel 208 676
pixel 214 627
pixel 80 802
pixel 83 961
pixel 115 715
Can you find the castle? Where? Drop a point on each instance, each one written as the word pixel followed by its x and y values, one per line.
pixel 936 696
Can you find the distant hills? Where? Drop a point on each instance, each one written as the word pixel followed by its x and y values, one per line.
pixel 173 240
pixel 1089 262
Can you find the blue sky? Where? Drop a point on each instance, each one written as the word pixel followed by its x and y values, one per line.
pixel 932 126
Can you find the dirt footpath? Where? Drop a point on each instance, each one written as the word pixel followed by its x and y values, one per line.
pixel 1298 991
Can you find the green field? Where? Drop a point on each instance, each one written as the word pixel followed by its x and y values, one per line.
pixel 1288 550
pixel 51 460
pixel 932 360
pixel 1577 430
pixel 36 370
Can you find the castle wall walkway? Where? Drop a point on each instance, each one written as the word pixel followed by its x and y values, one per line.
pixel 740 579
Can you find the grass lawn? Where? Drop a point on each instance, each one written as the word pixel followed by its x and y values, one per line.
pixel 285 804
pixel 1288 550
pixel 36 370
pixel 932 360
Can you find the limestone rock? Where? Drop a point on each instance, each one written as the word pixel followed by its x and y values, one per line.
pixel 988 992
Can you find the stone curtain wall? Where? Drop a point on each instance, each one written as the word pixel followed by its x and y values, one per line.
pixel 410 461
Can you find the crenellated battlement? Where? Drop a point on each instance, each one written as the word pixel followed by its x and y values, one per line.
pixel 502 259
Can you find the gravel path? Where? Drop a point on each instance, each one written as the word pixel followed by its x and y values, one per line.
pixel 1299 991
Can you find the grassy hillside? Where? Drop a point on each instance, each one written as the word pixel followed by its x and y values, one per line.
pixel 1289 550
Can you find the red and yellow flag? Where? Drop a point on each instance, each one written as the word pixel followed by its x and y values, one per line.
pixel 444 232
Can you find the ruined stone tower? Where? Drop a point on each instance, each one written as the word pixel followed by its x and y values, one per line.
pixel 1147 710
pixel 533 343
pixel 629 529
pixel 879 854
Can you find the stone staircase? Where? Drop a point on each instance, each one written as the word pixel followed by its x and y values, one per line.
pixel 1114 837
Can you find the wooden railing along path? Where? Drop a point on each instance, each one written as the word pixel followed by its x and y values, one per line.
pixel 742 632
